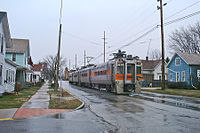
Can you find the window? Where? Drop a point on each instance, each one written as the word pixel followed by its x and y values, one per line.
pixel 177 76
pixel 139 70
pixel 14 57
pixel 178 61
pixel 1 74
pixel 128 69
pixel 171 77
pixel 120 69
pixel 159 77
pixel 6 75
pixel 2 44
pixel 183 76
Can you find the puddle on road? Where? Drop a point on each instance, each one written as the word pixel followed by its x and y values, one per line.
pixel 130 107
pixel 177 104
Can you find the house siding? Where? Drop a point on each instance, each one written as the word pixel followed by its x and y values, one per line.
pixel 20 58
pixel 194 69
pixel 173 68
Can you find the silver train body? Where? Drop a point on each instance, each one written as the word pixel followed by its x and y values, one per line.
pixel 119 75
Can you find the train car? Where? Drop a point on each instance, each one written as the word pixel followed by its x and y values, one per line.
pixel 119 75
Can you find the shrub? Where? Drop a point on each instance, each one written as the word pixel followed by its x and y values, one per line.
pixel 178 85
pixel 18 87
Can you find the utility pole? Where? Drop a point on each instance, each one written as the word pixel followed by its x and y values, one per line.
pixel 162 42
pixel 69 64
pixel 75 61
pixel 59 45
pixel 84 58
pixel 104 40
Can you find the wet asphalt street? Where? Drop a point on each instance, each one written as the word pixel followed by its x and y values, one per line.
pixel 110 113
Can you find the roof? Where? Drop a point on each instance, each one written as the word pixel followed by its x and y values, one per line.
pixel 37 67
pixel 6 29
pixel 19 46
pixel 150 64
pixel 10 62
pixel 190 59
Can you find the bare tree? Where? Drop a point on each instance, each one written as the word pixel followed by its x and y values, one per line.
pixel 50 71
pixel 186 40
pixel 155 54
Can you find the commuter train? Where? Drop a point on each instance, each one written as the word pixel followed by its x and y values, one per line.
pixel 120 75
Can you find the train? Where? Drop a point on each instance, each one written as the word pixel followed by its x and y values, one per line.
pixel 121 74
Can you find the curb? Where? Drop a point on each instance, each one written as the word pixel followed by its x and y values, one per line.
pixel 79 107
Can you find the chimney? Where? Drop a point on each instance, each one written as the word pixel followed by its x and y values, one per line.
pixel 147 58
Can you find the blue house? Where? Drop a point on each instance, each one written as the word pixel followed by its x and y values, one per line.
pixel 185 68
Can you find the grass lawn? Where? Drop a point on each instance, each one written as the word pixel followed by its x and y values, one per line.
pixel 180 92
pixel 16 100
pixel 55 103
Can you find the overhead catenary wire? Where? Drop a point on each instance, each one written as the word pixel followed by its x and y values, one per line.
pixel 151 30
pixel 165 19
pixel 83 39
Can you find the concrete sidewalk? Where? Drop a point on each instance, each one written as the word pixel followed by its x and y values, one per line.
pixel 37 105
pixel 40 99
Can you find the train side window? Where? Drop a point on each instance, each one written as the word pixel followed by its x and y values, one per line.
pixel 120 69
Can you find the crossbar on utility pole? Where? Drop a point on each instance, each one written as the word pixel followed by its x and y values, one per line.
pixel 162 42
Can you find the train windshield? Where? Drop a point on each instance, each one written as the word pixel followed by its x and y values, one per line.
pixel 129 69
pixel 139 70
pixel 120 69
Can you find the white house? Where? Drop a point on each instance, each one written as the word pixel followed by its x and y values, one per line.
pixel 37 72
pixel 7 69
pixel 152 70
pixel 10 71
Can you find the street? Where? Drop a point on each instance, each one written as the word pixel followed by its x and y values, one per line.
pixel 110 113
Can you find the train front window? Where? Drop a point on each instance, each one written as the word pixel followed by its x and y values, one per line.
pixel 139 70
pixel 120 69
pixel 129 69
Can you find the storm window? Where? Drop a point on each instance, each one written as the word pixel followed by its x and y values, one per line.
pixel 171 77
pixel 14 57
pixel 183 76
pixel 178 61
pixel 2 44
pixel 1 74
pixel 177 76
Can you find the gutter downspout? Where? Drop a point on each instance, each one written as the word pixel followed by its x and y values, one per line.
pixel 191 80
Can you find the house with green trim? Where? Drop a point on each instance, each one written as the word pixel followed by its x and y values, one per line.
pixel 19 53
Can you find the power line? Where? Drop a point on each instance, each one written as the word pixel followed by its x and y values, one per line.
pixel 83 39
pixel 183 9
pixel 182 18
pixel 158 22
pixel 151 30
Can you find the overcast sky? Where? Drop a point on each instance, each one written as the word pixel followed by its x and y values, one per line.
pixel 84 22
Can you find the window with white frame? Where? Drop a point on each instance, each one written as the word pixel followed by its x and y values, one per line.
pixel 177 76
pixel 183 76
pixel 159 77
pixel 1 73
pixel 2 44
pixel 178 61
pixel 171 77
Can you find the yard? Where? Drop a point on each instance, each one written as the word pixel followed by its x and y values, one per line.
pixel 16 100
pixel 67 101
pixel 179 92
